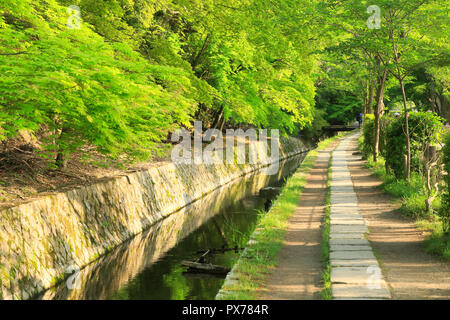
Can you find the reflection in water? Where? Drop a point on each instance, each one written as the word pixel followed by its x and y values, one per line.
pixel 149 265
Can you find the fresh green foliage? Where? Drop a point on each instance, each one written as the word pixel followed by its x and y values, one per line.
pixel 438 243
pixel 445 210
pixel 368 131
pixel 313 131
pixel 425 129
pixel 238 70
pixel 413 197
pixel 410 38
pixel 137 70
pixel 79 88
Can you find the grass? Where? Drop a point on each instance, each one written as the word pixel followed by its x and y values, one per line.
pixel 325 294
pixel 412 197
pixel 262 256
pixel 437 242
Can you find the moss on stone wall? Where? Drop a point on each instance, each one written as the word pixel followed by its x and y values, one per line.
pixel 42 238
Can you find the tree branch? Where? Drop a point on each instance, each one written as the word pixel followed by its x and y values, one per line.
pixel 13 53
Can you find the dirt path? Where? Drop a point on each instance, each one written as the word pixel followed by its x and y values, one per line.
pixel 409 271
pixel 297 275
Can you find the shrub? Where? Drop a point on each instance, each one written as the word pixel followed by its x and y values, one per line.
pixel 385 121
pixel 425 129
pixel 445 209
pixel 368 133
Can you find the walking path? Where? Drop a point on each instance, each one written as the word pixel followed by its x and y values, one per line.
pixel 409 271
pixel 357 205
pixel 297 275
pixel 355 273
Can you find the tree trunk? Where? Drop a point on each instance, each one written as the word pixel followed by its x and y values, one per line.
pixel 370 99
pixel 61 161
pixel 61 157
pixel 196 60
pixel 218 118
pixel 407 136
pixel 222 124
pixel 366 98
pixel 431 166
pixel 378 111
pixel 430 198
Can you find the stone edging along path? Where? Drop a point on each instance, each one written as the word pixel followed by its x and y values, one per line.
pixel 355 272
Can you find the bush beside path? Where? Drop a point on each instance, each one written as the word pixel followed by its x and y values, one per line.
pixel 409 271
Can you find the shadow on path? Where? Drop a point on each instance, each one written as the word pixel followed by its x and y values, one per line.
pixel 410 272
pixel 297 275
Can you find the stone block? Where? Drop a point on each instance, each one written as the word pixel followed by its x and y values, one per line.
pixel 353 291
pixel 354 275
pixel 348 242
pixel 338 222
pixel 353 263
pixel 340 235
pixel 340 247
pixel 348 229
pixel 351 255
pixel 343 216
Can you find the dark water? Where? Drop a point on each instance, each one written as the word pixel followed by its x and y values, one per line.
pixel 149 265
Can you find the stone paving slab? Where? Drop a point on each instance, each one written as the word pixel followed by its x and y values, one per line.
pixel 353 275
pixel 340 173
pixel 341 216
pixel 348 229
pixel 342 189
pixel 341 247
pixel 340 235
pixel 354 291
pixel 351 255
pixel 352 216
pixel 344 205
pixel 353 263
pixel 358 299
pixel 347 199
pixel 344 202
pixel 338 222
pixel 344 210
pixel 356 242
pixel 341 179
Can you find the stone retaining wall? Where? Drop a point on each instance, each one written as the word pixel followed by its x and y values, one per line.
pixel 41 239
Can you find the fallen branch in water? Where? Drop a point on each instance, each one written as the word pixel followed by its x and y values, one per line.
pixel 222 250
pixel 206 267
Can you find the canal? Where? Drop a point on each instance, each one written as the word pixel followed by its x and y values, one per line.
pixel 148 266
